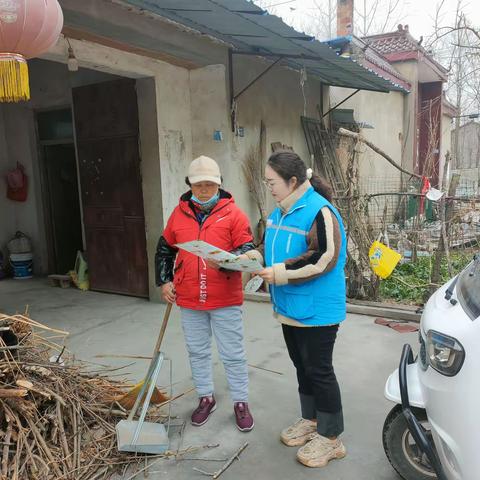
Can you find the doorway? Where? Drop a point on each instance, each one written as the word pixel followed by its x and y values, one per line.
pixel 60 181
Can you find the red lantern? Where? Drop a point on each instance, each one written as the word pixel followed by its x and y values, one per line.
pixel 28 28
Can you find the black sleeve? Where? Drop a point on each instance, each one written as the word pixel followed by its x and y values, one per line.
pixel 239 251
pixel 164 262
pixel 243 248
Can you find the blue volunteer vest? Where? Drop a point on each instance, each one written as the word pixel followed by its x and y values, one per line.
pixel 317 302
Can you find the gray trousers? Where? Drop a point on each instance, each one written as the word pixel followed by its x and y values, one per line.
pixel 226 324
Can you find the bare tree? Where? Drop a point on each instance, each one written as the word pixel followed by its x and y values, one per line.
pixel 320 20
pixel 456 44
pixel 378 16
pixel 370 17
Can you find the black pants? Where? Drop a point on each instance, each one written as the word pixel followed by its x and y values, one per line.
pixel 311 350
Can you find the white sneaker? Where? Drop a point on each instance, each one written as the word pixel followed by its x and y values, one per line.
pixel 320 450
pixel 299 433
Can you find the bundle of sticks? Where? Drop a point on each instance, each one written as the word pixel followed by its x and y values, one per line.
pixel 57 415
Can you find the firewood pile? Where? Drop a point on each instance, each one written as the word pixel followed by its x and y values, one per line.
pixel 57 415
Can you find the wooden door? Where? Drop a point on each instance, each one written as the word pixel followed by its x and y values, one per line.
pixel 106 125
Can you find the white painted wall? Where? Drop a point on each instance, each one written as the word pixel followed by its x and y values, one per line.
pixel 409 70
pixel 19 146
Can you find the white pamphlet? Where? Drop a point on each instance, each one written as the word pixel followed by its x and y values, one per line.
pixel 225 259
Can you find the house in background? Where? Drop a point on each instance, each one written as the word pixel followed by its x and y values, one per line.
pixel 106 146
pixel 468 161
pixel 412 124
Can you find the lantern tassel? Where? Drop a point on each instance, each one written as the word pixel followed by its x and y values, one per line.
pixel 14 84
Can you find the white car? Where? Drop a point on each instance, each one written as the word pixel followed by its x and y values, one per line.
pixel 434 430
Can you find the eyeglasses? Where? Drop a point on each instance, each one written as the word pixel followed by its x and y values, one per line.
pixel 269 183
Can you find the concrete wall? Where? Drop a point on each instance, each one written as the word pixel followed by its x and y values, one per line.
pixel 468 145
pixel 409 70
pixel 276 99
pixel 468 165
pixel 179 111
pixel 445 144
pixel 469 181
pixel 175 134
pixel 19 146
pixel 384 111
pixel 150 169
pixel 166 138
pixel 7 210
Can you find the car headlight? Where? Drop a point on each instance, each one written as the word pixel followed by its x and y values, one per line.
pixel 445 354
pixel 422 354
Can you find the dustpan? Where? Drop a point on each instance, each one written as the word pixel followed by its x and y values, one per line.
pixel 139 436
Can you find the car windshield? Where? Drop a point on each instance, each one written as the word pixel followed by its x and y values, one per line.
pixel 468 289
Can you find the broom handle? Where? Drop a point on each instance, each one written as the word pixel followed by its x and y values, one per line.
pixel 153 362
pixel 162 330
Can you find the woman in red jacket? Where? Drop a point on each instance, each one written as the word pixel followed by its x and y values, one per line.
pixel 210 298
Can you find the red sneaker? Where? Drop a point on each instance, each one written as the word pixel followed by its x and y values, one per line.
pixel 205 408
pixel 243 416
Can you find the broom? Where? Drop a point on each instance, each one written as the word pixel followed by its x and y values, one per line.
pixel 253 166
pixel 128 399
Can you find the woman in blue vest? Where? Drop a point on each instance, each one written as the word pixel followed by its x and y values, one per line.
pixel 304 253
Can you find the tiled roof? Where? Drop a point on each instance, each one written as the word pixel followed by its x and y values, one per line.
pixel 394 42
pixel 400 46
pixel 375 58
pixel 359 50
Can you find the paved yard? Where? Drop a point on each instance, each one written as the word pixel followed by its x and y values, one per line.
pixel 110 324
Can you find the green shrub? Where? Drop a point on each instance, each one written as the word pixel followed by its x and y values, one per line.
pixel 410 282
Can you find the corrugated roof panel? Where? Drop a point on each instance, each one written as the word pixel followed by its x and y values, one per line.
pixel 277 26
pixel 181 4
pixel 245 26
pixel 224 22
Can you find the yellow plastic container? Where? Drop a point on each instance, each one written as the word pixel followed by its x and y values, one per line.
pixel 383 259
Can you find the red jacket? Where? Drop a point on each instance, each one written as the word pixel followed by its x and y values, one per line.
pixel 197 286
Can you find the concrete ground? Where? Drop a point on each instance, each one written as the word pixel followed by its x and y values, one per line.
pixel 110 324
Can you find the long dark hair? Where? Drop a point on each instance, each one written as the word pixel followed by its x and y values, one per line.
pixel 288 164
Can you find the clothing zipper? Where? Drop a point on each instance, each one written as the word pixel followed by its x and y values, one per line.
pixel 200 226
pixel 273 255
pixel 273 243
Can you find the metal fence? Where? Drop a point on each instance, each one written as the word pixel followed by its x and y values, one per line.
pixel 410 222
pixel 391 208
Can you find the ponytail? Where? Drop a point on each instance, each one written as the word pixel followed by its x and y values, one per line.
pixel 321 186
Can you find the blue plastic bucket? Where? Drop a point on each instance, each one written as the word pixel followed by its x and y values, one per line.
pixel 22 264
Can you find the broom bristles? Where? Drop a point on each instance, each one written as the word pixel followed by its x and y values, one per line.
pixel 128 399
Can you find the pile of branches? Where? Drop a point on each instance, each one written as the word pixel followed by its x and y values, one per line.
pixel 57 416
